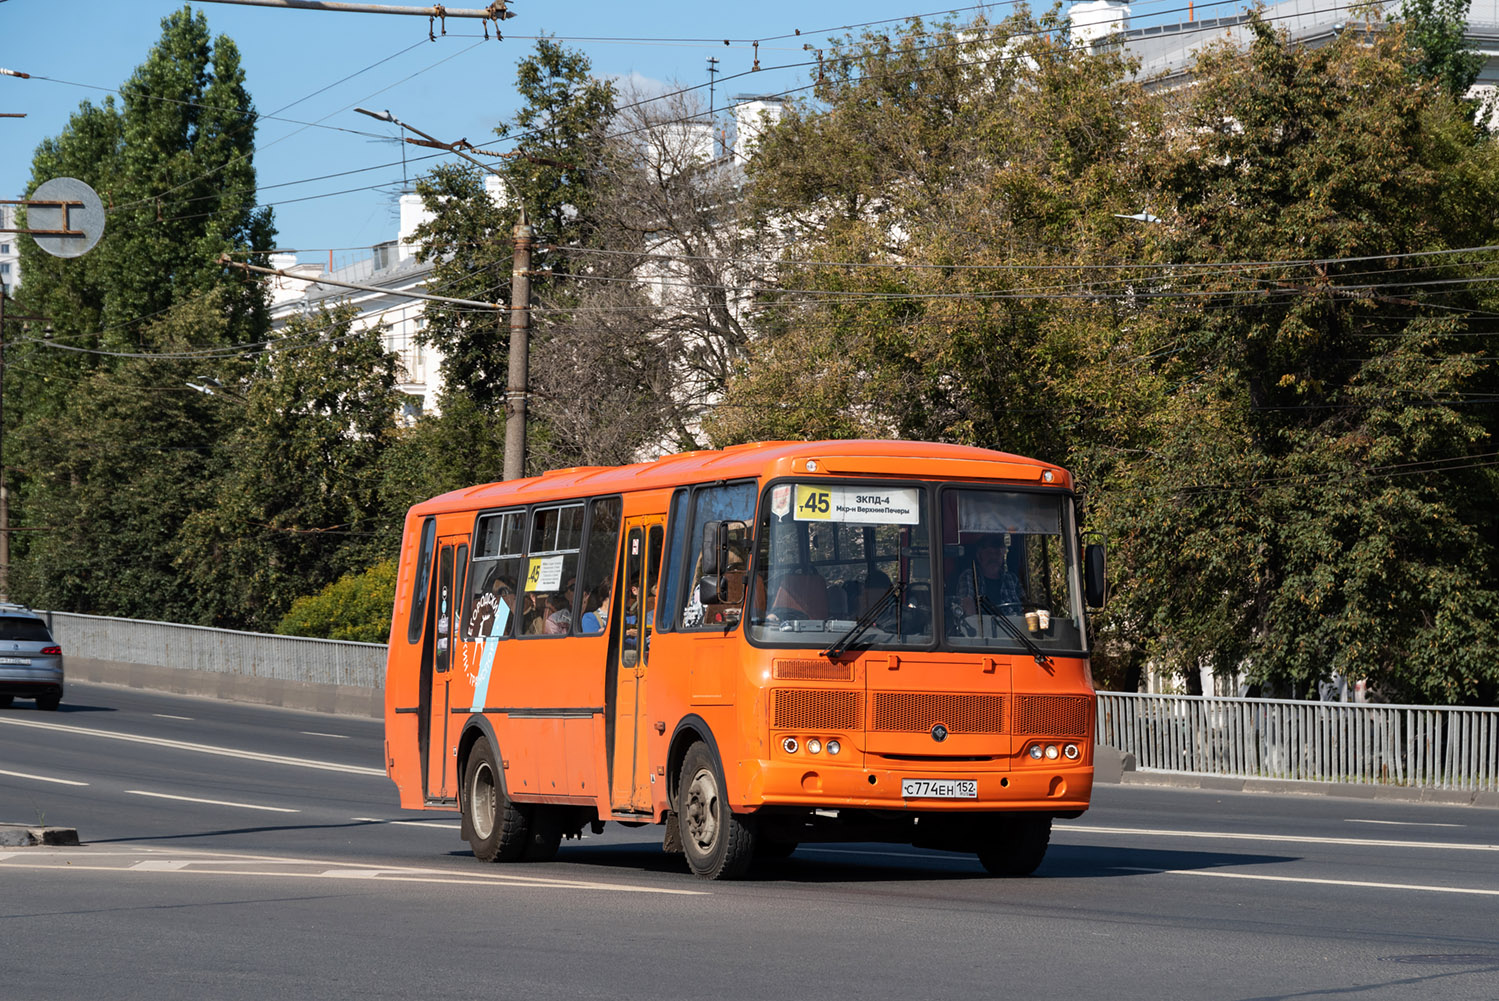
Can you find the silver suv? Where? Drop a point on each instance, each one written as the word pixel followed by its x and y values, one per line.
pixel 30 662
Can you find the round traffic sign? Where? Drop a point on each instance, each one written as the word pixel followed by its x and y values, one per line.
pixel 77 223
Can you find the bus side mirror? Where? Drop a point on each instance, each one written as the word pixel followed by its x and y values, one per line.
pixel 1095 583
pixel 715 549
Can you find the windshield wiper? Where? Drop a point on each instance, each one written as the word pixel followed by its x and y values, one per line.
pixel 863 622
pixel 1015 631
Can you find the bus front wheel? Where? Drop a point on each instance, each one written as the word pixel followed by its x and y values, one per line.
pixel 1016 845
pixel 499 831
pixel 718 844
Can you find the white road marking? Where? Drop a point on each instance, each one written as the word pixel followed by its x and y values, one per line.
pixel 335 736
pixel 192 863
pixel 1299 839
pixel 170 716
pixel 1363 884
pixel 1402 823
pixel 42 778
pixel 182 745
pixel 433 824
pixel 211 802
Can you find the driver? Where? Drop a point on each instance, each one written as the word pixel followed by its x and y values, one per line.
pixel 995 580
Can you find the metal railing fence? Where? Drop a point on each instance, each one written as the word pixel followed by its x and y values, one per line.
pixel 1428 746
pixel 224 651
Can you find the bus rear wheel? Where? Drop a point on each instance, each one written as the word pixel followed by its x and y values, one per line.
pixel 718 844
pixel 1016 844
pixel 499 830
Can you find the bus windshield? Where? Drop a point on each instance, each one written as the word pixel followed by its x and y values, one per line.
pixel 829 554
pixel 856 566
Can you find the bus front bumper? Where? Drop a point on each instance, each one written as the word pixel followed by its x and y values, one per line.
pixel 918 788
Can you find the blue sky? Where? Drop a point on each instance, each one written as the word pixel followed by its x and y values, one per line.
pixel 459 86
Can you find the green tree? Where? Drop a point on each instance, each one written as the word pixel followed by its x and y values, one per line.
pixel 1315 498
pixel 553 173
pixel 148 310
pixel 298 491
pixel 354 607
pixel 110 478
pixel 1435 31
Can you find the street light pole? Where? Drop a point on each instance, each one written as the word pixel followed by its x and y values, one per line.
pixel 520 306
pixel 520 329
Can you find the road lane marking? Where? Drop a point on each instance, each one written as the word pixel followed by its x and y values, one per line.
pixel 212 802
pixel 1402 823
pixel 335 736
pixel 1358 883
pixel 182 745
pixel 192 863
pixel 42 778
pixel 1299 839
pixel 170 716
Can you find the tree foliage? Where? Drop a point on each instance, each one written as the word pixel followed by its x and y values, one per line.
pixel 1288 453
pixel 355 607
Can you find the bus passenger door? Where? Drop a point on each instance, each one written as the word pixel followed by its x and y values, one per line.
pixel 447 586
pixel 631 616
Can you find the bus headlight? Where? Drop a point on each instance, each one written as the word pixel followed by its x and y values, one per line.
pixel 1071 752
pixel 1051 752
pixel 814 746
pixel 834 747
pixel 789 745
pixel 1036 752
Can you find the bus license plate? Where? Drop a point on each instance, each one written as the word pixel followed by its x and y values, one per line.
pixel 939 789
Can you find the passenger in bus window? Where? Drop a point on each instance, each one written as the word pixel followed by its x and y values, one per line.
pixel 995 580
pixel 597 618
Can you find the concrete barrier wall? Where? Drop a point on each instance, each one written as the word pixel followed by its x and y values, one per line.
pixel 290 671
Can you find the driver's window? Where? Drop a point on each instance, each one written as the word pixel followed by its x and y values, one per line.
pixel 734 504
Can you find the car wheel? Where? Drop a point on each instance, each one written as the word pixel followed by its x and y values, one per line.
pixel 49 703
pixel 5 701
pixel 718 843
pixel 499 828
pixel 1016 845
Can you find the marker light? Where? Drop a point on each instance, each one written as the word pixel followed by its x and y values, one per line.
pixel 1051 752
pixel 1036 751
pixel 834 747
pixel 814 746
pixel 1047 476
pixel 1070 752
pixel 789 745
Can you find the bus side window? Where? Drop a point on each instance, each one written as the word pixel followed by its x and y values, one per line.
pixel 733 503
pixel 493 574
pixel 422 584
pixel 598 563
pixel 671 588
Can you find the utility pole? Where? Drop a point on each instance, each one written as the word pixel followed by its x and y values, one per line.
pixel 4 496
pixel 520 328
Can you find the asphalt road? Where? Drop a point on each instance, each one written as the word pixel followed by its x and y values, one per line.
pixel 237 851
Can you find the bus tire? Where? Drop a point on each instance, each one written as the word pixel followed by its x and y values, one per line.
pixel 1016 844
pixel 718 843
pixel 499 830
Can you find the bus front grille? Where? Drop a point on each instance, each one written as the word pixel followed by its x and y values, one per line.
pixel 805 709
pixel 1052 715
pixel 918 712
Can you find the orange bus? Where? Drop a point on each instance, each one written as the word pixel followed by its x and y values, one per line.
pixel 773 644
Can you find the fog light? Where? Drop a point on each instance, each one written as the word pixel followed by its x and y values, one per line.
pixel 834 747
pixel 1051 752
pixel 814 746
pixel 1070 752
pixel 789 745
pixel 1036 751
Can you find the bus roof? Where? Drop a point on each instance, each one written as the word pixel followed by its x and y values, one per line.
pixel 882 459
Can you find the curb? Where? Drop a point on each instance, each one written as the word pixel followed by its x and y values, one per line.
pixel 1115 767
pixel 25 836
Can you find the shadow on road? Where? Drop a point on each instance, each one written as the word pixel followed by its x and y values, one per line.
pixel 876 863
